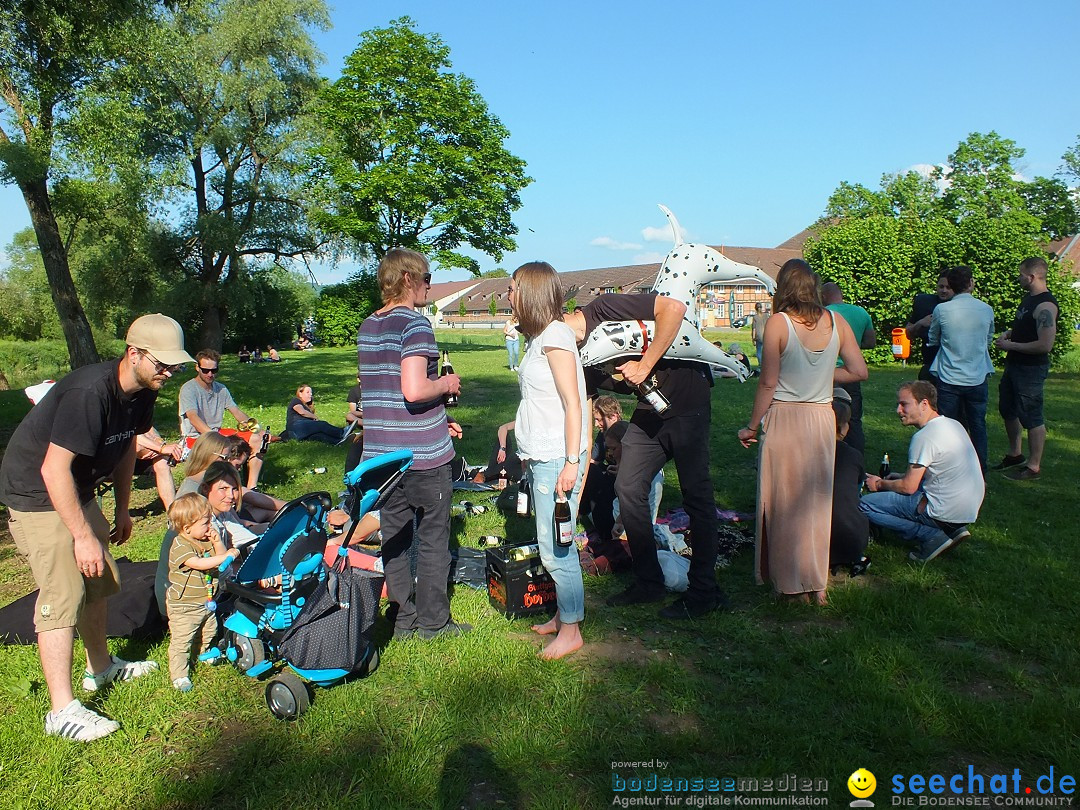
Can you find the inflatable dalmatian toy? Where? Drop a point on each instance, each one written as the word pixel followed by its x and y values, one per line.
pixel 685 270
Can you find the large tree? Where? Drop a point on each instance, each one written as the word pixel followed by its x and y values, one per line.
pixel 50 52
pixel 220 91
pixel 411 156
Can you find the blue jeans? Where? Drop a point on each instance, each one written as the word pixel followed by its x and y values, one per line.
pixel 512 352
pixel 315 429
pixel 967 405
pixel 561 562
pixel 900 513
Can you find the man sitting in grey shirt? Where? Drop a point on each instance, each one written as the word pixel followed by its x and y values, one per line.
pixel 203 402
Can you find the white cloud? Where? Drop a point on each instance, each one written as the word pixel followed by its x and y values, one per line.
pixel 662 234
pixel 612 244
pixel 649 258
pixel 925 169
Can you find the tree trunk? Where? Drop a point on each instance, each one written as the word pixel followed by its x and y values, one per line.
pixel 77 334
pixel 212 332
pixel 4 386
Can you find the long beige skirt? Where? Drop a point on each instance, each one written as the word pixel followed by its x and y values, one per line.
pixel 795 487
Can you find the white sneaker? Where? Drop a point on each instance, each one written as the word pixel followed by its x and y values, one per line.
pixel 182 684
pixel 119 670
pixel 76 722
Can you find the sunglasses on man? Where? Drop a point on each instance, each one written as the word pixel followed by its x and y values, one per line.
pixel 159 367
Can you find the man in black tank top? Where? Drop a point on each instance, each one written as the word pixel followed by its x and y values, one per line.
pixel 1027 362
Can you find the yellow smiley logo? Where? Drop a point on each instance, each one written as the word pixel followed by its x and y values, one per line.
pixel 861 783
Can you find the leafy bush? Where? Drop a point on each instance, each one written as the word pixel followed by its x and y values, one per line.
pixel 342 307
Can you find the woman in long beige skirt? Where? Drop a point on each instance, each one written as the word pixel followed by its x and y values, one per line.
pixel 793 410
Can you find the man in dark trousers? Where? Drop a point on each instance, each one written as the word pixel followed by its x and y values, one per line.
pixel 1020 393
pixel 680 433
pixel 82 432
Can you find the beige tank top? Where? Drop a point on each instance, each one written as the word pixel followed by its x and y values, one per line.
pixel 807 376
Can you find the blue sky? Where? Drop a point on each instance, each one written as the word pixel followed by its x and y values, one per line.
pixel 740 117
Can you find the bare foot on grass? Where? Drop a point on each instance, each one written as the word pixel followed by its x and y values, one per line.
pixel 548 627
pixel 567 641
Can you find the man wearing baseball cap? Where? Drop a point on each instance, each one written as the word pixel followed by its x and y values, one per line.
pixel 80 433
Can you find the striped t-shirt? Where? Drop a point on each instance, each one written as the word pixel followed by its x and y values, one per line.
pixel 391 423
pixel 186 585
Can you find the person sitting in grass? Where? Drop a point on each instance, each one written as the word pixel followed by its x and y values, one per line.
pixel 942 490
pixel 221 486
pixel 259 507
pixel 195 554
pixel 302 424
pixel 598 492
pixel 210 447
pixel 850 528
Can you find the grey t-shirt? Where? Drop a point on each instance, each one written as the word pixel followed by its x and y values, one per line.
pixel 209 405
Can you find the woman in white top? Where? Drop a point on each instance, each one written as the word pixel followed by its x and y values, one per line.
pixel 510 332
pixel 552 436
pixel 793 406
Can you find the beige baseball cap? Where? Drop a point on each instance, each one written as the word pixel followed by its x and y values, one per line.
pixel 161 336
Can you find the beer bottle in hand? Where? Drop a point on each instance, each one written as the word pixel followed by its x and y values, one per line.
pixel 885 469
pixel 523 496
pixel 451 400
pixel 650 391
pixel 564 527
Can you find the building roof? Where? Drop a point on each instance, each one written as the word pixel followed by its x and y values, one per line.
pixel 585 285
pixel 797 241
pixel 1067 252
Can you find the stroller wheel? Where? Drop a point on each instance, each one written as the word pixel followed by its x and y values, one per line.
pixel 371 664
pixel 249 652
pixel 287 696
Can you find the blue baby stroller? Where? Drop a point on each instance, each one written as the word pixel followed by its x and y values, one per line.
pixel 320 623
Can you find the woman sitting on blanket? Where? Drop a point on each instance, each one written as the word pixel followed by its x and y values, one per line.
pixel 212 446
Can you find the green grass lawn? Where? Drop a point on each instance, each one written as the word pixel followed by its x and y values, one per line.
pixel 971 660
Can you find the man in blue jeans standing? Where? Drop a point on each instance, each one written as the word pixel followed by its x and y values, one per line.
pixel 940 493
pixel 962 328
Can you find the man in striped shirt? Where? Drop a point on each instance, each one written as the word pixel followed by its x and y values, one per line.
pixel 402 400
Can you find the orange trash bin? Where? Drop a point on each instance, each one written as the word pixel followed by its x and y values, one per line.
pixel 901 346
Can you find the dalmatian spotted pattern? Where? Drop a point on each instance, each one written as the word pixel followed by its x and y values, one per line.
pixel 685 270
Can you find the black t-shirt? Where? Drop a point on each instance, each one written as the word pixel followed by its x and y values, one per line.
pixel 686 385
pixel 354 395
pixel 923 305
pixel 849 525
pixel 1025 330
pixel 291 416
pixel 87 413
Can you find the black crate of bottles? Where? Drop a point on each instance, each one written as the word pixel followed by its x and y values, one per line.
pixel 518 585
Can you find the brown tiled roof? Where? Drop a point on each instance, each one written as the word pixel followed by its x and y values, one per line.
pixel 1067 252
pixel 797 241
